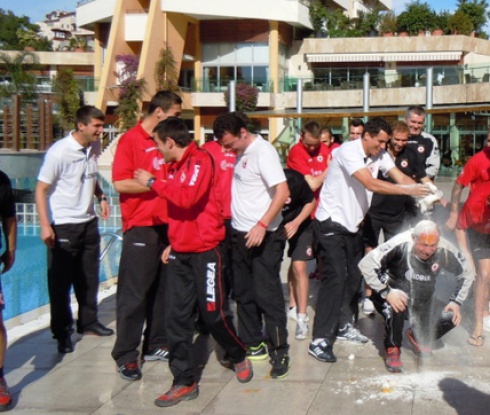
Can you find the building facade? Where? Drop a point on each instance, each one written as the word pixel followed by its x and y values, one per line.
pixel 263 44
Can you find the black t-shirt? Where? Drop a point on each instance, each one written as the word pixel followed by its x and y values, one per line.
pixel 423 147
pixel 395 207
pixel 300 195
pixel 7 202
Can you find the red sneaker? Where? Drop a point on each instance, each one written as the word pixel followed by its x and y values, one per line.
pixel 5 398
pixel 419 349
pixel 244 371
pixel 393 362
pixel 176 394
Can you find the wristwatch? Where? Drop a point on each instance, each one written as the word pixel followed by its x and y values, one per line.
pixel 384 292
pixel 150 182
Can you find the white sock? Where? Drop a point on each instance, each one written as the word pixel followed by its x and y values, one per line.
pixel 302 316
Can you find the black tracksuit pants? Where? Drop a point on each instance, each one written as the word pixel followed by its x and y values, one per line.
pixel 197 279
pixel 74 260
pixel 339 252
pixel 257 290
pixel 141 293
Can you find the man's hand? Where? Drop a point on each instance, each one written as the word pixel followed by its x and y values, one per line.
pixel 47 236
pixel 290 229
pixel 165 254
pixel 452 306
pixel 105 209
pixel 398 300
pixel 452 221
pixel 418 190
pixel 255 236
pixel 7 259
pixel 142 176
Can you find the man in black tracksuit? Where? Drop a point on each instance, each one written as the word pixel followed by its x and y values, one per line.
pixel 402 273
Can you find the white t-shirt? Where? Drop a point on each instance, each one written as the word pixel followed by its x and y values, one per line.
pixel 72 173
pixel 257 171
pixel 343 198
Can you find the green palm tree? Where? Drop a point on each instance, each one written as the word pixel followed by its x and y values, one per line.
pixel 18 75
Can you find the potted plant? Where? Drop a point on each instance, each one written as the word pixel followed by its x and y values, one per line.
pixel 166 72
pixel 387 23
pixel 460 24
pixel 417 18
pixel 78 44
pixel 246 97
pixel 441 24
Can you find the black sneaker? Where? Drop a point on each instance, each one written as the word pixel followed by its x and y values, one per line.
pixel 130 371
pixel 322 351
pixel 280 367
pixel 157 354
pixel 258 352
pixel 65 345
pixel 96 329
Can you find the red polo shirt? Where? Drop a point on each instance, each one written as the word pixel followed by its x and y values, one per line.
pixel 137 150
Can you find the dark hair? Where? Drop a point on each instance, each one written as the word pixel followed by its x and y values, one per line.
pixel 164 100
pixel 174 128
pixel 356 122
pixel 312 128
pixel 230 122
pixel 375 125
pixel 415 109
pixel 86 113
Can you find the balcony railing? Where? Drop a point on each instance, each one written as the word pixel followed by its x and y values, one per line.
pixel 348 79
pixel 400 77
pixel 221 85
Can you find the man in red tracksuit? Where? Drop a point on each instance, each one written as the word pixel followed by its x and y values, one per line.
pixel 195 266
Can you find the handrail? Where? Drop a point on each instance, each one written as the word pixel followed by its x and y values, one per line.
pixel 114 237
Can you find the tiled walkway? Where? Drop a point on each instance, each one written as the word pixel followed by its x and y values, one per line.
pixel 456 380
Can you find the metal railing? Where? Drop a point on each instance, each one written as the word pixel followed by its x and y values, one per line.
pixel 348 78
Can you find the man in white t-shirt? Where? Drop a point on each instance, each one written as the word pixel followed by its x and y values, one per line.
pixel 259 191
pixel 344 201
pixel 67 184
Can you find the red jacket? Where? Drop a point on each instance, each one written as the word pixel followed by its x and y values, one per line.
pixel 195 218
pixel 224 164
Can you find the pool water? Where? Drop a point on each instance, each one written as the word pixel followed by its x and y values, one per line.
pixel 25 285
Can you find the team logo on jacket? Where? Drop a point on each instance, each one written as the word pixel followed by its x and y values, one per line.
pixel 210 286
pixel 404 163
pixel 434 267
pixel 320 158
pixel 182 177
pixel 156 163
pixel 421 149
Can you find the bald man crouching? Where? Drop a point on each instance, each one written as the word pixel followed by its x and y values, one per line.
pixel 402 273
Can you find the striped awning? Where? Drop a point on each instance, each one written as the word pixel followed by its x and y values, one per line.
pixel 383 57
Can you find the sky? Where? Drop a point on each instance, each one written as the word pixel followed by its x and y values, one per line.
pixel 37 9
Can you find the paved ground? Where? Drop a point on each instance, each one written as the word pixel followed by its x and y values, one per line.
pixel 456 380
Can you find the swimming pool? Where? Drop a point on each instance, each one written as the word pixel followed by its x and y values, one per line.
pixel 25 285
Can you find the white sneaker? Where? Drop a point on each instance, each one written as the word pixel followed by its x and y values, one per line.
pixel 301 330
pixel 351 334
pixel 486 323
pixel 368 307
pixel 293 313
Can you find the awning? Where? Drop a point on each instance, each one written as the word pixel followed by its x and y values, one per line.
pixel 383 57
pixel 483 109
